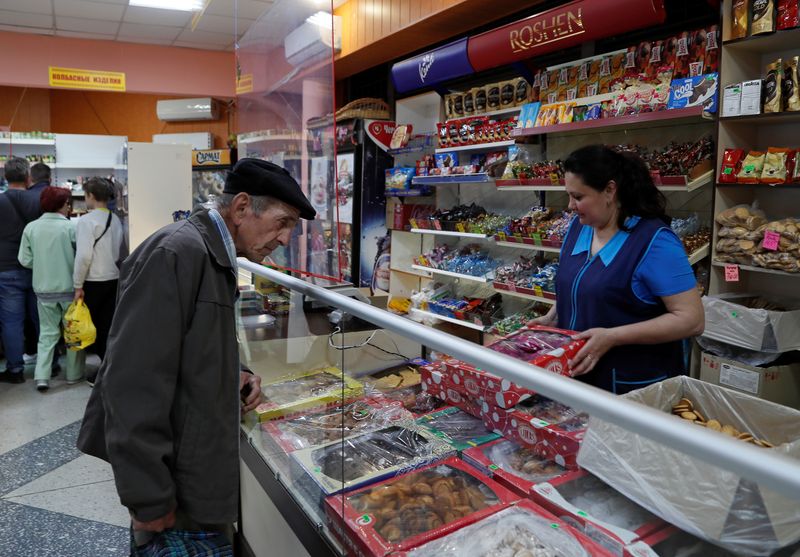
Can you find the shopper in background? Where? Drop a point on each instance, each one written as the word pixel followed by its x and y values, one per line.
pixel 624 279
pixel 40 178
pixel 18 207
pixel 164 411
pixel 48 247
pixel 99 237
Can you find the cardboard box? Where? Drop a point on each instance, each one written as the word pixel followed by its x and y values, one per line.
pixel 458 428
pixel 729 320
pixel 672 541
pixel 624 523
pixel 702 90
pixel 359 521
pixel 370 457
pixel 694 495
pixel 414 399
pixel 751 97
pixel 512 465
pixel 731 100
pixel 296 393
pixel 776 383
pixel 523 524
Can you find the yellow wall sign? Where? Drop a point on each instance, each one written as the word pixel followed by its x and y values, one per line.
pixel 211 157
pixel 244 84
pixel 71 78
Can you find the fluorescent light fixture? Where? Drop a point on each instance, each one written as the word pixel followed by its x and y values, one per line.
pixel 179 5
pixel 321 19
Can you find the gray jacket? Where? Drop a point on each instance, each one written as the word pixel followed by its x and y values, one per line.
pixel 165 408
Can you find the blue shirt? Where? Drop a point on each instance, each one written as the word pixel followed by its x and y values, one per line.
pixel 663 271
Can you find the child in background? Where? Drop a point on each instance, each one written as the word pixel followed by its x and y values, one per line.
pixel 48 247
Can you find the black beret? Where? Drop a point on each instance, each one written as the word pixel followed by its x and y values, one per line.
pixel 258 177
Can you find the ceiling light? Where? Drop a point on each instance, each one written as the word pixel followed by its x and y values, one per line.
pixel 180 5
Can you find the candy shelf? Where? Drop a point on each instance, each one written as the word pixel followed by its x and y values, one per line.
pixel 502 111
pixel 532 247
pixel 450 274
pixel 753 269
pixel 89 166
pixel 669 184
pixel 760 187
pixel 551 187
pixel 504 289
pixel 768 118
pixel 644 120
pixel 478 146
pixel 450 233
pixel 432 315
pixel 762 44
pixel 409 193
pixel 690 186
pixel 480 178
pixel 699 254
pixel 277 137
pixel 9 141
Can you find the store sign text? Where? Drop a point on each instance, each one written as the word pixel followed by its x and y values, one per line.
pixel 71 78
pixel 551 29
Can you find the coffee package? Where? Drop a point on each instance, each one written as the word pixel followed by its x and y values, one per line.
pixel 763 17
pixel 788 16
pixel 773 92
pixel 752 167
pixel 791 93
pixel 731 165
pixel 739 11
pixel 774 171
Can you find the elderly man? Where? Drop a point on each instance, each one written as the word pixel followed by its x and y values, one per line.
pixel 165 407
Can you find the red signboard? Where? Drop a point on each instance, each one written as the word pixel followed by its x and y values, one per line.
pixel 568 25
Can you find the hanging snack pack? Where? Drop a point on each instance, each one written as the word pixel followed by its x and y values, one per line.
pixel 507 93
pixel 791 93
pixel 739 11
pixel 763 17
pixel 774 171
pixel 752 167
pixel 731 165
pixel 773 92
pixel 788 16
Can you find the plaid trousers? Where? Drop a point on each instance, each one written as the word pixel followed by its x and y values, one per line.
pixel 182 543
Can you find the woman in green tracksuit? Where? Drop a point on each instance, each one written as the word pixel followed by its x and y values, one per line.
pixel 48 247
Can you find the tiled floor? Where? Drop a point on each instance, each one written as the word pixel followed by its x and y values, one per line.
pixel 54 501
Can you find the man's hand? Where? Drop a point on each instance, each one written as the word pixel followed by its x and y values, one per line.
pixel 158 525
pixel 78 294
pixel 250 389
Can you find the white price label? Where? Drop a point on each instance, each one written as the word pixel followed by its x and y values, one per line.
pixel 739 378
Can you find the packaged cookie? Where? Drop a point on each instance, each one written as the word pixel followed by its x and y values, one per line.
pixel 458 105
pixel 712 50
pixel 632 61
pixel 522 90
pixel 593 82
pixel 535 88
pixel 469 102
pixel 739 11
pixel 731 165
pixel 791 93
pixel 774 171
pixel 752 167
pixel 698 40
pixel 741 215
pixel 788 16
pixel 763 17
pixel 493 96
pixel 773 92
pixel 479 94
pixel 507 93
pixel 682 56
pixel 572 82
pixel 449 108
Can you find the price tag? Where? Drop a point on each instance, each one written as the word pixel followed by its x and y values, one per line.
pixel 731 273
pixel 502 236
pixel 554 179
pixel 460 227
pixel 538 290
pixel 537 239
pixel 727 170
pixel 437 225
pixel 413 223
pixel 771 240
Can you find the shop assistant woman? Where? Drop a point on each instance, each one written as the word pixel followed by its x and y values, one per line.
pixel 624 279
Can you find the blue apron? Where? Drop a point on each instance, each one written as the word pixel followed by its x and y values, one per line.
pixel 592 294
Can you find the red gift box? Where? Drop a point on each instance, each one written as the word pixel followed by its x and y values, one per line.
pixel 374 521
pixel 503 461
pixel 673 541
pixel 559 495
pixel 436 381
pixel 558 442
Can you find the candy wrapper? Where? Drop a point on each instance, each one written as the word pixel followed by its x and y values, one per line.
pixel 523 530
pixel 299 392
pixel 415 508
pixel 602 514
pixel 399 178
pixel 366 458
pixel 333 424
pixel 512 465
pixel 457 428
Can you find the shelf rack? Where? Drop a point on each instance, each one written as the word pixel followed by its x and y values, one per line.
pixel 450 274
pixel 451 233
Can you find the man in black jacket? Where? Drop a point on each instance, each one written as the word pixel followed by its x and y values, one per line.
pixel 165 408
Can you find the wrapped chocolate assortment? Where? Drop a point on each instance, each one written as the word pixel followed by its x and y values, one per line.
pixel 691 233
pixel 469 260
pixel 463 218
pixel 747 237
pixel 475 130
pixel 480 311
pixel 515 322
pixel 543 223
pixel 676 159
pixel 527 274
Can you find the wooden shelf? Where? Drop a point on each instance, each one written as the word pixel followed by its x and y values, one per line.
pixel 450 274
pixel 697 183
pixel 432 315
pixel 645 120
pixel 531 247
pixel 700 254
pixel 763 119
pixel 526 296
pixel 753 269
pixel 774 187
pixel 450 233
pixel 762 44
pixel 478 146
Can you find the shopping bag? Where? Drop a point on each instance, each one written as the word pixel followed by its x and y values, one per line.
pixel 180 543
pixel 79 331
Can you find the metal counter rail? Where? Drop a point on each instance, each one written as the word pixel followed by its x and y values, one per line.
pixel 775 471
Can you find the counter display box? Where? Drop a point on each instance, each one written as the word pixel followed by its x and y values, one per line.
pixel 296 393
pixel 415 508
pixel 523 529
pixel 550 429
pixel 332 424
pixel 597 510
pixel 461 430
pixel 707 501
pixel 513 466
pixel 370 457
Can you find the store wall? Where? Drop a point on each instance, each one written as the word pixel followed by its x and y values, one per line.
pixel 29 108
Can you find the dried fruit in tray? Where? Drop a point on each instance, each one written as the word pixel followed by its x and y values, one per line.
pixel 414 399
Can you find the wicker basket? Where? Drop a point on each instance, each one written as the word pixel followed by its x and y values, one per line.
pixel 375 109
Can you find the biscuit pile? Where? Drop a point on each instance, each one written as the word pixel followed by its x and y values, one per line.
pixel 686 410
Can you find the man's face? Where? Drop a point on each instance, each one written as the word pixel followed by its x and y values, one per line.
pixel 258 236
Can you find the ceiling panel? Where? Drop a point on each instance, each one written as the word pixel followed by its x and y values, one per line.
pixel 222 24
pixel 149 16
pixel 149 31
pixel 187 35
pixel 202 46
pixel 89 10
pixel 87 25
pixel 84 35
pixel 26 20
pixel 34 30
pixel 145 40
pixel 248 9
pixel 33 6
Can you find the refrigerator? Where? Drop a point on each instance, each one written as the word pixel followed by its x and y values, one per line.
pixel 209 169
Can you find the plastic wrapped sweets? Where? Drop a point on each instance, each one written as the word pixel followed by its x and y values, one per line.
pixel 458 428
pixel 522 462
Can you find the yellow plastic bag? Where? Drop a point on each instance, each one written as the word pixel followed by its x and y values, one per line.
pixel 79 331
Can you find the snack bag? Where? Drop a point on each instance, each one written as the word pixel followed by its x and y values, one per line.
pixel 682 55
pixel 752 167
pixel 788 17
pixel 79 331
pixel 731 165
pixel 572 82
pixel 712 53
pixel 791 93
pixel 773 92
pixel 583 79
pixel 763 17
pixel 774 171
pixel 593 82
pixel 739 12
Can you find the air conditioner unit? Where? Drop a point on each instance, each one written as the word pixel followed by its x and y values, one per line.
pixel 179 110
pixel 312 41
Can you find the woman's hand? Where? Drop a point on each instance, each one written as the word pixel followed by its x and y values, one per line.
pixel 599 341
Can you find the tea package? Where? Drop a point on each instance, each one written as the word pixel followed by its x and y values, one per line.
pixel 791 94
pixel 773 92
pixel 752 167
pixel 763 17
pixel 775 166
pixel 739 11
pixel 788 16
pixel 731 164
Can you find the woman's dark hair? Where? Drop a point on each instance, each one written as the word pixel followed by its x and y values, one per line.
pixel 53 199
pixel 100 188
pixel 597 165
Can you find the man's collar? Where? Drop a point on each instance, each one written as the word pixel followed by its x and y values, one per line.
pixel 212 236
